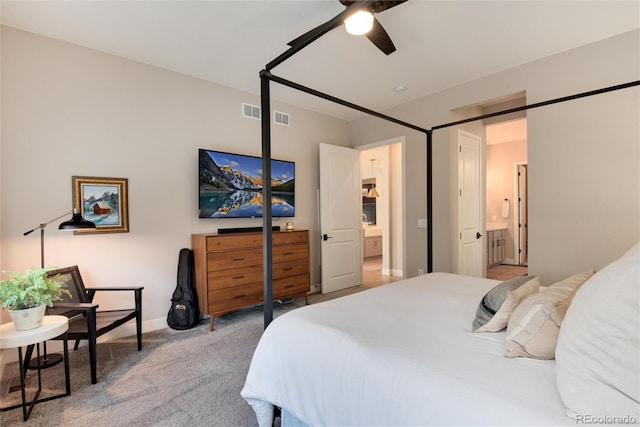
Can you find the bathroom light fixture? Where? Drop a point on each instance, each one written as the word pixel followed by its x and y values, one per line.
pixel 359 22
pixel 373 192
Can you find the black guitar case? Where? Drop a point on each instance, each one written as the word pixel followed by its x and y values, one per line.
pixel 184 312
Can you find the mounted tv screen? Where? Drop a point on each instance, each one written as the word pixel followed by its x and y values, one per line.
pixel 230 186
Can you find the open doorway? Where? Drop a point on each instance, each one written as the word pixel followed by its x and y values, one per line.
pixel 506 198
pixel 382 212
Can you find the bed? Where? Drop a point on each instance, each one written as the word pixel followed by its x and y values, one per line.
pixel 402 354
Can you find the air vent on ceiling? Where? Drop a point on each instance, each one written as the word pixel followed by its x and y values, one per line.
pixel 250 111
pixel 281 118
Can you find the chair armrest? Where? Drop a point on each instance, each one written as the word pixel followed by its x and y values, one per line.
pixel 91 292
pixel 76 309
pixel 82 306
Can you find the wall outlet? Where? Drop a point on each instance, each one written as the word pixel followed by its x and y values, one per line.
pixel 420 272
pixel 422 223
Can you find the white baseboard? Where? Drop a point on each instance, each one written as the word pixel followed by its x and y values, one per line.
pixel 392 272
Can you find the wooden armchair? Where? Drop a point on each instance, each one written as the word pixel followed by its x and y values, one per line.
pixel 85 321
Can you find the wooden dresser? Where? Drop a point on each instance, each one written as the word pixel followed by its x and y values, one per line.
pixel 229 273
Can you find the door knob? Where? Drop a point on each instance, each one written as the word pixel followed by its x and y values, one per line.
pixel 325 237
pixel 478 235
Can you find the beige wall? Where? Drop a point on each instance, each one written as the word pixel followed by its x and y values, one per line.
pixel 68 110
pixel 584 182
pixel 500 178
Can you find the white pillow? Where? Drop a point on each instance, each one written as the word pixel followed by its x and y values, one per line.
pixel 535 323
pixel 598 350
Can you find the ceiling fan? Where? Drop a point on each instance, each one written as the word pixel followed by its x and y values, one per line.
pixel 376 34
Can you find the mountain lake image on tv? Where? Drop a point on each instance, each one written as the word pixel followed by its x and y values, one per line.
pixel 230 186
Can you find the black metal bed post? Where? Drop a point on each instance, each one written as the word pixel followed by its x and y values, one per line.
pixel 429 201
pixel 541 104
pixel 267 232
pixel 310 91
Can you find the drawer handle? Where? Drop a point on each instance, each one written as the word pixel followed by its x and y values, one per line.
pixel 239 296
pixel 288 253
pixel 238 277
pixel 287 269
pixel 238 259
pixel 289 286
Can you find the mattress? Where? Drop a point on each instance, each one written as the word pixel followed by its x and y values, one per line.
pixel 400 354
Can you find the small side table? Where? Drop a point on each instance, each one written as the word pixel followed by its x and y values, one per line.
pixel 52 327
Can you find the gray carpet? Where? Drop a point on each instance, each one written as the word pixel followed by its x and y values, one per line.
pixel 191 377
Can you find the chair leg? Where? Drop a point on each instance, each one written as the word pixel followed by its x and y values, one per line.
pixel 91 319
pixel 138 302
pixel 139 331
pixel 75 346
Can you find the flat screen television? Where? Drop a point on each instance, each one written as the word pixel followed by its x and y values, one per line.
pixel 230 186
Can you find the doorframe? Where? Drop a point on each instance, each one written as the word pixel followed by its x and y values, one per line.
pixel 386 235
pixel 516 213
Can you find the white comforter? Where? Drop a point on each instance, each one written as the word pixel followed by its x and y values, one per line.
pixel 401 354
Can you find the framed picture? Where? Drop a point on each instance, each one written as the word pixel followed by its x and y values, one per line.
pixel 103 201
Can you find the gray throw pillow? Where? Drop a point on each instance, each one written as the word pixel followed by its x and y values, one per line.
pixel 493 300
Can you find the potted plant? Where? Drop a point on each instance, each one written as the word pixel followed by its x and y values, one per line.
pixel 27 295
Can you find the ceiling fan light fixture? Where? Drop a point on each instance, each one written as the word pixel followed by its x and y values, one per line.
pixel 360 22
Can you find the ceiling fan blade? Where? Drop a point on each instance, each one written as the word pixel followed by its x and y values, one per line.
pixel 380 38
pixel 330 27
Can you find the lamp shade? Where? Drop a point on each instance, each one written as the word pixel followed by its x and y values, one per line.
pixel 373 193
pixel 76 222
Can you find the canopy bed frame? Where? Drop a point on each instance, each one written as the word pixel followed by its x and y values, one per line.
pixel 266 77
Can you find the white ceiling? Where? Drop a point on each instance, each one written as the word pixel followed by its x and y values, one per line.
pixel 440 44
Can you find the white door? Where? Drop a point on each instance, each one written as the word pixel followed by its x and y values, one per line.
pixel 340 217
pixel 522 214
pixel 470 244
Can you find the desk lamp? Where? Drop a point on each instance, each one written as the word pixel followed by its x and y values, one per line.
pixel 76 222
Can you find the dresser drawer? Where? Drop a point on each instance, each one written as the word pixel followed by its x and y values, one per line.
pixel 291 286
pixel 290 237
pixel 290 252
pixel 221 279
pixel 234 241
pixel 227 260
pixel 229 299
pixel 254 240
pixel 290 268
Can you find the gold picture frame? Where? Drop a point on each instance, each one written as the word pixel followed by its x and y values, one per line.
pixel 103 201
